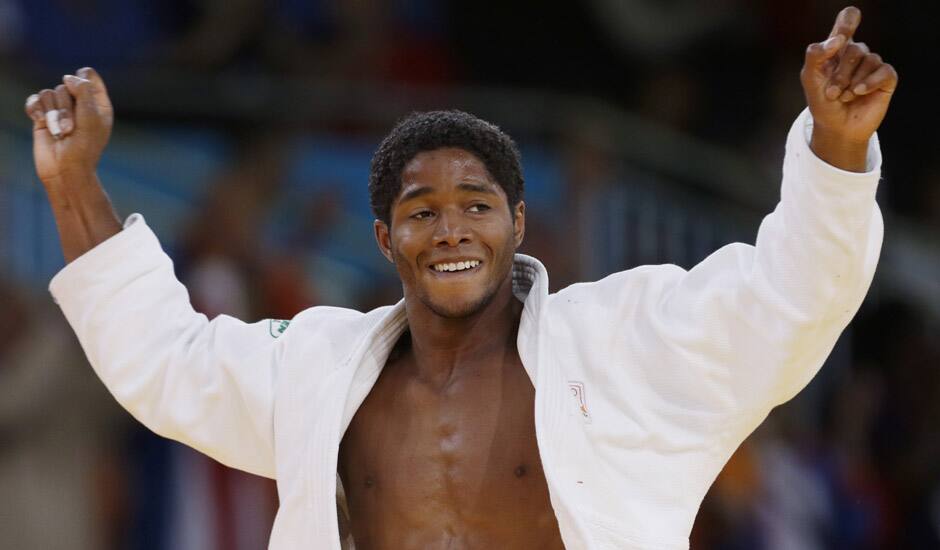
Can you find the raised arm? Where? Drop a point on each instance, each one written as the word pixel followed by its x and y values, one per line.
pixel 207 384
pixel 749 326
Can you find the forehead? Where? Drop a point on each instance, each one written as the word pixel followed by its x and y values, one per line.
pixel 444 165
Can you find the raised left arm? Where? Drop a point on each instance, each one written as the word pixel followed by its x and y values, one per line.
pixel 749 326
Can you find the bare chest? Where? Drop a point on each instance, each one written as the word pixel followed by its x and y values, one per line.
pixel 451 467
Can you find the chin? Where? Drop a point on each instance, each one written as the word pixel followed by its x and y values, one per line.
pixel 453 309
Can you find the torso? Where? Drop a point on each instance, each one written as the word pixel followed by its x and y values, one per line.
pixel 456 467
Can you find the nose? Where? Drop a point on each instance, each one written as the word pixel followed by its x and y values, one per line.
pixel 451 230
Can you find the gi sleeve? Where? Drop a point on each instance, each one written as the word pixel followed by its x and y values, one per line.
pixel 766 316
pixel 749 326
pixel 209 385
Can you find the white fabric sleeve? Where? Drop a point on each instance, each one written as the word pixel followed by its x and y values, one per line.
pixel 749 326
pixel 206 384
pixel 772 312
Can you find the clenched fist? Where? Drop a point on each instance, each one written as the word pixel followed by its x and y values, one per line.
pixel 848 89
pixel 71 126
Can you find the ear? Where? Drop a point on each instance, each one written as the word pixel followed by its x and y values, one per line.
pixel 518 223
pixel 383 239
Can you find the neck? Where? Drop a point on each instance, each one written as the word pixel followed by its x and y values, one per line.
pixel 444 348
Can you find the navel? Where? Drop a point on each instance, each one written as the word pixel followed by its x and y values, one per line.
pixel 369 482
pixel 520 470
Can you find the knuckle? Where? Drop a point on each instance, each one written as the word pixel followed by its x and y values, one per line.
pixel 873 58
pixel 853 53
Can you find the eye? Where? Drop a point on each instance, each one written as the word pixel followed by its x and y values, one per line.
pixel 422 215
pixel 477 208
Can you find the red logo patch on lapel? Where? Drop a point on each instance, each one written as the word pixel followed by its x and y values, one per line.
pixel 577 393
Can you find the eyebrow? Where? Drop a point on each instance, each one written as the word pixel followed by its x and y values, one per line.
pixel 463 186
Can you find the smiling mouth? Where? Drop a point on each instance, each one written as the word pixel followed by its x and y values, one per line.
pixel 455 267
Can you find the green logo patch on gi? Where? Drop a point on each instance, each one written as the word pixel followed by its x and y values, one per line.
pixel 277 326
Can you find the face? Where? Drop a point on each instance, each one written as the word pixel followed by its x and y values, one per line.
pixel 450 213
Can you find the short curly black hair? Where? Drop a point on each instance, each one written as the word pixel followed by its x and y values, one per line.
pixel 432 130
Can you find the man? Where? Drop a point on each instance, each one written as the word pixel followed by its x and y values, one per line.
pixel 480 411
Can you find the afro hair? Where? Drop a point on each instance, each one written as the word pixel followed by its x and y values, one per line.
pixel 432 130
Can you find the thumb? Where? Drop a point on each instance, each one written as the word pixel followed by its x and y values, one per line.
pixel 80 89
pixel 87 112
pixel 819 57
pixel 98 90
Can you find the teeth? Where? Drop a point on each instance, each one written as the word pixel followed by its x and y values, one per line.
pixel 458 266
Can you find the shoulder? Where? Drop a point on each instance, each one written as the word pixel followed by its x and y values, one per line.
pixel 612 293
pixel 337 319
pixel 323 336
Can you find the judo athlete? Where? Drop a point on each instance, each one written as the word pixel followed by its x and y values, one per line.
pixel 481 411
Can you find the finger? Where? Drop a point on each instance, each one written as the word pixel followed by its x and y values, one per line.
pixel 64 104
pixel 50 112
pixel 848 63
pixel 98 90
pixel 846 22
pixel 46 100
pixel 869 64
pixel 819 54
pixel 34 111
pixel 884 79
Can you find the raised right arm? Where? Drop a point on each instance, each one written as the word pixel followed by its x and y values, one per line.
pixel 207 384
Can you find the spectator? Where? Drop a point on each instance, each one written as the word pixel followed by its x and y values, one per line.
pixel 61 468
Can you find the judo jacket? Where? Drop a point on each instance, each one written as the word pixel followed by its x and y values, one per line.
pixel 645 381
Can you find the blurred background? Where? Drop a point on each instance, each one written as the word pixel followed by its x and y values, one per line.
pixel 651 132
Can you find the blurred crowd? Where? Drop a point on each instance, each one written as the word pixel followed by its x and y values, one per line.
pixel 280 223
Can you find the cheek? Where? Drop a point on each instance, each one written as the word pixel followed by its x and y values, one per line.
pixel 404 267
pixel 501 239
pixel 405 246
